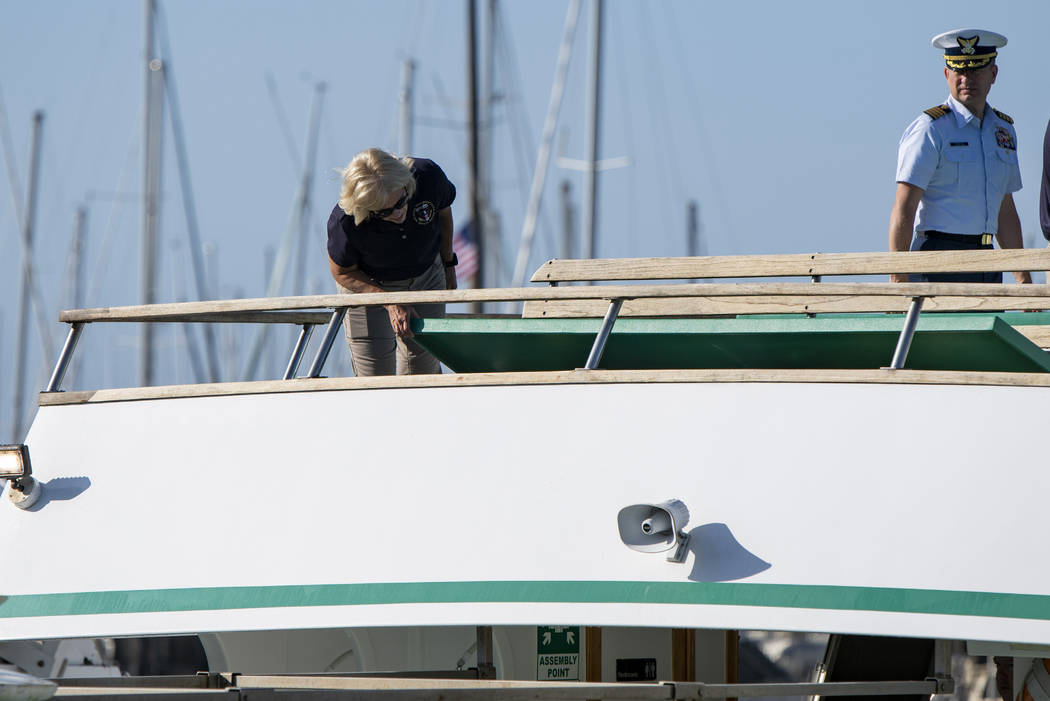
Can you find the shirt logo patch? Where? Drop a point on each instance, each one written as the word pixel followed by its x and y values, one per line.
pixel 423 213
pixel 1005 139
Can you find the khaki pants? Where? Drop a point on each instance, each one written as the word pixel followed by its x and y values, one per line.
pixel 375 349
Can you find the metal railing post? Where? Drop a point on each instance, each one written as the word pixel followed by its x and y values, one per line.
pixel 907 333
pixel 326 343
pixel 63 358
pixel 297 352
pixel 598 348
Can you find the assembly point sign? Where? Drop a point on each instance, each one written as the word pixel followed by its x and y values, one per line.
pixel 558 653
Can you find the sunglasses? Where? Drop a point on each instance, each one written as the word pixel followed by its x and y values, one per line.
pixel 383 213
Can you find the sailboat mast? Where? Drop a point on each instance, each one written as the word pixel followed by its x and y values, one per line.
pixel 404 139
pixel 152 135
pixel 692 223
pixel 75 272
pixel 189 208
pixel 694 246
pixel 494 264
pixel 473 155
pixel 590 183
pixel 28 222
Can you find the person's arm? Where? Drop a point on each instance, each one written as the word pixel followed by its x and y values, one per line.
pixel 1009 235
pixel 1044 187
pixel 353 279
pixel 445 226
pixel 902 221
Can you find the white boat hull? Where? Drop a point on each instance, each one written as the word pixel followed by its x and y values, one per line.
pixel 876 509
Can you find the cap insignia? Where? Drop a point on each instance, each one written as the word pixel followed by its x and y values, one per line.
pixel 968 46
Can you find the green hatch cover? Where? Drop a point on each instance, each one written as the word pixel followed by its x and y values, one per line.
pixel 973 342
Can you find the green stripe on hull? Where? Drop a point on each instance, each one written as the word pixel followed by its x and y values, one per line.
pixel 928 601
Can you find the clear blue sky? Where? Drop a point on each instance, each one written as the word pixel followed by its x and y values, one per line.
pixel 781 119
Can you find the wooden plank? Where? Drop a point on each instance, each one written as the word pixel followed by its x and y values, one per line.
pixel 250 317
pixel 303 681
pixel 792 265
pixel 732 306
pixel 307 688
pixel 732 659
pixel 1039 335
pixel 683 654
pixel 592 638
pixel 567 377
pixel 191 311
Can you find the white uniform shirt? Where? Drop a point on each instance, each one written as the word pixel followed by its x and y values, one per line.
pixel 965 167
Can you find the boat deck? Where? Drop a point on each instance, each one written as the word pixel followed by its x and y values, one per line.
pixel 782 414
pixel 954 342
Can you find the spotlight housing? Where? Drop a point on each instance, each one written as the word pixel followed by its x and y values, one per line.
pixel 16 467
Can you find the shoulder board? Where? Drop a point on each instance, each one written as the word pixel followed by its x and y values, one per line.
pixel 936 112
pixel 1003 116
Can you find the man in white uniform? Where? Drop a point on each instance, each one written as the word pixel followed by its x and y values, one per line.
pixel 957 165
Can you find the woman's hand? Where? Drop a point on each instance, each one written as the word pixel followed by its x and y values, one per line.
pixel 401 319
pixel 450 278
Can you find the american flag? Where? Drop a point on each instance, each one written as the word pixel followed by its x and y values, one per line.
pixel 466 249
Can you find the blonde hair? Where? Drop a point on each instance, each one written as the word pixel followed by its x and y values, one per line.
pixel 369 180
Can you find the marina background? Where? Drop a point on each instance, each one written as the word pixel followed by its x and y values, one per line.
pixel 780 120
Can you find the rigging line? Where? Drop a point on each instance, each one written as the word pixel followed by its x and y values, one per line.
pixel 393 68
pixel 521 135
pixel 333 175
pixel 282 120
pixel 705 143
pixel 390 120
pixel 420 44
pixel 117 208
pixel 528 229
pixel 189 339
pixel 5 241
pixel 417 19
pixel 12 173
pixel 89 88
pixel 186 187
pixel 628 126
pixel 26 298
pixel 295 229
pixel 75 252
pixel 443 100
pixel 73 289
pixel 35 298
pixel 39 310
pixel 661 61
pixel 656 83
pixel 9 162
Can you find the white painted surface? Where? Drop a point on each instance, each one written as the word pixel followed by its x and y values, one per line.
pixel 918 487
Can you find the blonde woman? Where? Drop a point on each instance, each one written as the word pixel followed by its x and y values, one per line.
pixel 391 231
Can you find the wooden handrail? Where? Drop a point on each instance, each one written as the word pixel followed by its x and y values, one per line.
pixel 1036 296
pixel 792 265
pixel 936 377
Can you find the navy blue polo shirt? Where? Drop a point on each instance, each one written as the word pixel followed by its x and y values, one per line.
pixel 388 251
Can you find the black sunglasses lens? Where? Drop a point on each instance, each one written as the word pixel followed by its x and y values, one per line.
pixel 380 213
